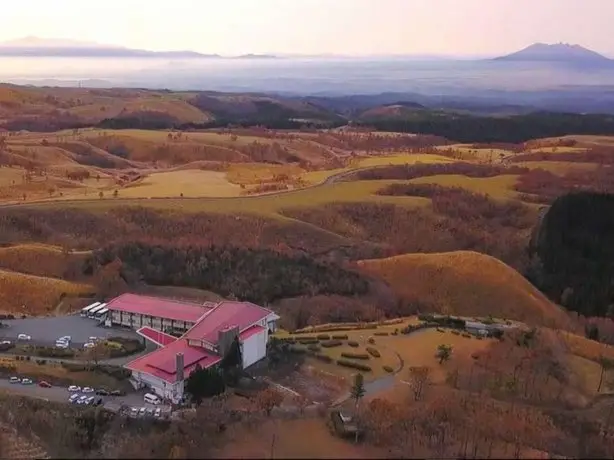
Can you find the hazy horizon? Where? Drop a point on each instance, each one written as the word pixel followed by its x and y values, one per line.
pixel 450 28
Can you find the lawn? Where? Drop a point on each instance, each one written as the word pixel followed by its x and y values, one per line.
pixel 467 152
pixel 190 182
pixel 256 173
pixel 558 167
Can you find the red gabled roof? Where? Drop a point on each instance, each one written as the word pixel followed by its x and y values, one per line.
pixel 161 363
pixel 226 314
pixel 163 308
pixel 247 333
pixel 155 336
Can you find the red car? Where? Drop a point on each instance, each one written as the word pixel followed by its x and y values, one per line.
pixel 44 384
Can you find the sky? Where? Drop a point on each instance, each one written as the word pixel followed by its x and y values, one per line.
pixel 349 27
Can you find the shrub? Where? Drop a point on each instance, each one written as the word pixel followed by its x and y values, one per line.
pixel 381 334
pixel 324 358
pixel 340 337
pixel 396 332
pixel 373 352
pixel 388 369
pixel 426 317
pixel 313 347
pixel 390 322
pixel 353 365
pixel 349 355
pixel 353 344
pixel 308 341
pixel 456 332
pixel 323 337
pixel 371 340
pixel 440 329
pixel 332 343
pixel 479 337
pixel 298 350
pixel 467 336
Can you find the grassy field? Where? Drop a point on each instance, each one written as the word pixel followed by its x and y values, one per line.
pixel 39 259
pixel 466 283
pixel 190 183
pixel 256 173
pixel 558 167
pixel 497 187
pixel 35 295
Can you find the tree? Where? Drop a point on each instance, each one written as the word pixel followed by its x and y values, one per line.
pixel 358 388
pixel 444 352
pixel 100 194
pixel 115 193
pixel 606 364
pixel 99 352
pixel 204 383
pixel 232 362
pixel 420 379
pixel 268 399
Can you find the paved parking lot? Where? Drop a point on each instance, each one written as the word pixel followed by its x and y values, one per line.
pixel 45 331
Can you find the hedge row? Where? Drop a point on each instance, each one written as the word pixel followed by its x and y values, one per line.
pixel 388 369
pixel 313 347
pixel 381 333
pixel 297 350
pixel 355 355
pixel 308 341
pixel 332 343
pixel 353 365
pixel 373 352
pixel 340 337
pixel 324 358
pixel 323 337
pixel 353 344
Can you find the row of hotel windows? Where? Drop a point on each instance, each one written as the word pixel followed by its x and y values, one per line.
pixel 135 321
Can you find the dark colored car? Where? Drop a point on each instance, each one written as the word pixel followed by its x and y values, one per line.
pixel 102 392
pixel 44 384
pixel 98 402
pixel 118 393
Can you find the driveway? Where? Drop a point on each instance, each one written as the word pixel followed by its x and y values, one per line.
pixel 45 331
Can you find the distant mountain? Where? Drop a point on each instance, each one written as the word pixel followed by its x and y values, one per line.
pixel 557 53
pixel 256 56
pixel 41 47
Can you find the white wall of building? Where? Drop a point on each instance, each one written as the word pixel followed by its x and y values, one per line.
pixel 254 348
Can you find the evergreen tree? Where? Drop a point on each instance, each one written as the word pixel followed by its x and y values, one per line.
pixel 358 388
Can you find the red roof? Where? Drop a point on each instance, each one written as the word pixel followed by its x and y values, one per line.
pixel 247 333
pixel 157 337
pixel 161 308
pixel 226 314
pixel 161 363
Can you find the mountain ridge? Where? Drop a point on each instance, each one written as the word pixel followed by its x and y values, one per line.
pixel 557 53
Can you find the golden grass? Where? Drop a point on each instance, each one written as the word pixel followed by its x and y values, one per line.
pixel 589 349
pixel 35 295
pixel 497 187
pixel 38 259
pixel 192 183
pixel 256 173
pixel 467 152
pixel 558 167
pixel 293 438
pixel 466 283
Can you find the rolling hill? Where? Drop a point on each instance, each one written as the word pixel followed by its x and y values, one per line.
pixel 558 53
pixel 466 283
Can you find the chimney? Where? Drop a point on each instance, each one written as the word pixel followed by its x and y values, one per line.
pixel 179 366
pixel 225 338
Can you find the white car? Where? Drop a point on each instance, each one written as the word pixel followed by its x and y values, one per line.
pixel 26 382
pixel 89 345
pixel 134 412
pixel 6 342
pixel 14 380
pixel 142 411
pixel 74 388
pixel 87 390
pixel 93 339
pixel 65 338
pixel 82 399
pixel 158 412
pixel 24 337
pixel 89 400
pixel 62 345
pixel 73 398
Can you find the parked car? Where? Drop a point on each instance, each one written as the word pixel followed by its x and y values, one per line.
pixel 6 342
pixel 98 402
pixel 149 411
pixel 26 381
pixel 89 345
pixel 158 412
pixel 63 345
pixel 102 392
pixel 82 399
pixel 133 412
pixel 14 380
pixel 93 339
pixel 65 338
pixel 74 388
pixel 24 337
pixel 87 390
pixel 142 411
pixel 44 384
pixel 90 400
pixel 118 393
pixel 73 398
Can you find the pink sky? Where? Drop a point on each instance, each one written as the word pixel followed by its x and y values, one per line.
pixel 356 27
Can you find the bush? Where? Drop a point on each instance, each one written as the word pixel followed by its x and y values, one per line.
pixel 324 358
pixel 390 322
pixel 298 350
pixel 340 337
pixel 353 365
pixel 440 329
pixel 323 337
pixel 426 317
pixel 381 334
pixel 467 336
pixel 308 341
pixel 129 346
pixel 313 347
pixel 456 332
pixel 353 344
pixel 349 355
pixel 388 369
pixel 373 352
pixel 479 337
pixel 332 343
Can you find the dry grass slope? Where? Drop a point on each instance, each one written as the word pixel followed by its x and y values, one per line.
pixel 39 259
pixel 35 295
pixel 468 284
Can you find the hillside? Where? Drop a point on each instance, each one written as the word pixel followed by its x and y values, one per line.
pixel 41 260
pixel 35 294
pixel 466 283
